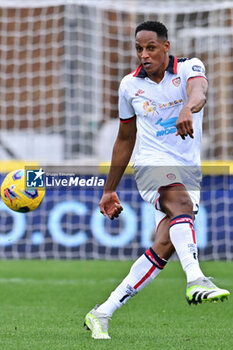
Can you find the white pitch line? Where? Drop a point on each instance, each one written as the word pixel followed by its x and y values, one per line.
pixel 57 282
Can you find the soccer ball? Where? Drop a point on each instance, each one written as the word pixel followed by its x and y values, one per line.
pixel 16 196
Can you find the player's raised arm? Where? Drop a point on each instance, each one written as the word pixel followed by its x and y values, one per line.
pixel 196 91
pixel 122 151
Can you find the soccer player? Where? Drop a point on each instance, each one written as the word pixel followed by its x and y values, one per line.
pixel 162 101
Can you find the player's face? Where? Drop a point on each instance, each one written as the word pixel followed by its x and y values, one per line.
pixel 152 53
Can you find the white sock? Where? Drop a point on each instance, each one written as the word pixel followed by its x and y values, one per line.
pixel 142 272
pixel 183 238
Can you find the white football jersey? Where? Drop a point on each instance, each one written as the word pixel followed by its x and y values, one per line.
pixel 157 107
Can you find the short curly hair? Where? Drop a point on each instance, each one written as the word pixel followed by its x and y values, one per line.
pixel 153 26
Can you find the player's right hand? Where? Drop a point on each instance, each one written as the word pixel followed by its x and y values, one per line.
pixel 110 205
pixel 184 123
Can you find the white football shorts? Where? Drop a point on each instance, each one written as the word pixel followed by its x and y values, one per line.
pixel 149 179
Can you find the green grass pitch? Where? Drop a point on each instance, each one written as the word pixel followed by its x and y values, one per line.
pixel 43 304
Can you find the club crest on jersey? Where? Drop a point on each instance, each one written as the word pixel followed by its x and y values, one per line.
pixel 139 92
pixel 176 81
pixel 171 176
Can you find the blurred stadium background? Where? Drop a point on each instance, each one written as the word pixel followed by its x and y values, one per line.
pixel 61 62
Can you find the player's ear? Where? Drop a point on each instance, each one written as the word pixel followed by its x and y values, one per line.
pixel 166 46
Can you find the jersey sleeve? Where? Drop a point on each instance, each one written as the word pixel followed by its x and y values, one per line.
pixel 126 110
pixel 194 68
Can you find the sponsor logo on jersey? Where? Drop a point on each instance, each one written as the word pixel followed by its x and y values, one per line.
pixel 150 107
pixel 139 92
pixel 176 81
pixel 171 104
pixel 197 68
pixel 168 125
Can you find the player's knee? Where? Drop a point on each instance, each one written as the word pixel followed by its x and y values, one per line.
pixel 176 203
pixel 185 204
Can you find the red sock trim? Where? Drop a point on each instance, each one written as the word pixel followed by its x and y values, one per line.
pixel 155 259
pixel 181 219
pixel 193 233
pixel 144 278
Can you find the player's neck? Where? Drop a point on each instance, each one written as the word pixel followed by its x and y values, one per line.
pixel 158 76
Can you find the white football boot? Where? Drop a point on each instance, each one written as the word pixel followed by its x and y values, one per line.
pixel 202 290
pixel 97 323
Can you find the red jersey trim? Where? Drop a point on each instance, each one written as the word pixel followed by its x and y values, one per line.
pixel 172 65
pixel 171 68
pixel 175 65
pixel 137 70
pixel 127 120
pixel 198 76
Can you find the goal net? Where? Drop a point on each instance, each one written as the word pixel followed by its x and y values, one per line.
pixel 61 62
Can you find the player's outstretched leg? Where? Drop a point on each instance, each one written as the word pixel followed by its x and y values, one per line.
pixel 202 290
pixel 97 322
pixel 143 271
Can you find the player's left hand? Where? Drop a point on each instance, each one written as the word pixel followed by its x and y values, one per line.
pixel 184 123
